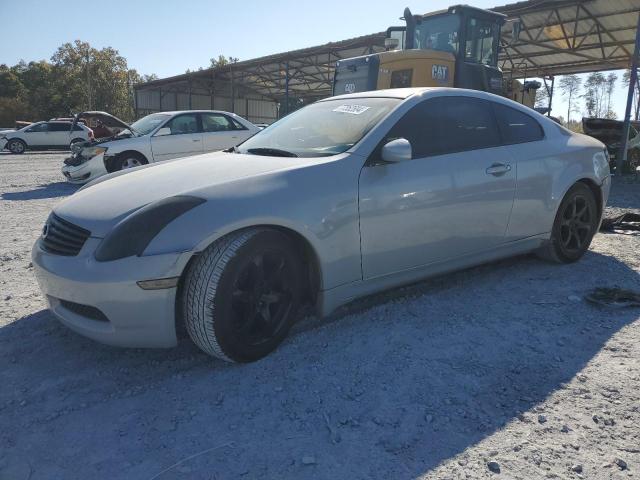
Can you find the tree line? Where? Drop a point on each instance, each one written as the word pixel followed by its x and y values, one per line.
pixel 78 77
pixel 592 97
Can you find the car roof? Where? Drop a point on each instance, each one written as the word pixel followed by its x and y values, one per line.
pixel 404 93
pixel 176 112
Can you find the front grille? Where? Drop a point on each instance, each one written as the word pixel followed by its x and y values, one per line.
pixel 63 238
pixel 84 310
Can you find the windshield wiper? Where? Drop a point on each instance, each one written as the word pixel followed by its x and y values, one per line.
pixel 274 152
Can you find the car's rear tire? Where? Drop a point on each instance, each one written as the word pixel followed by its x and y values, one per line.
pixel 129 160
pixel 574 226
pixel 241 295
pixel 16 146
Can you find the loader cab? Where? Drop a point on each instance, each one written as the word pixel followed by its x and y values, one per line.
pixel 471 35
pixel 457 47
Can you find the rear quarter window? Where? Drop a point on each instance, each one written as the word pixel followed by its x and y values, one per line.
pixel 516 126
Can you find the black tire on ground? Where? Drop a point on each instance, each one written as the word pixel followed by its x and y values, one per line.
pixel 17 146
pixel 77 140
pixel 574 226
pixel 241 295
pixel 129 160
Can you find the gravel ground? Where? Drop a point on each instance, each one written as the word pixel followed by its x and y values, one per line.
pixel 499 368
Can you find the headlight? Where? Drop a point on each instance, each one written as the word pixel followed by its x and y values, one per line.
pixel 132 235
pixel 93 151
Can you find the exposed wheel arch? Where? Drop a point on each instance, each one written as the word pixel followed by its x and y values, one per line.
pixel 14 140
pixel 306 252
pixel 112 164
pixel 597 193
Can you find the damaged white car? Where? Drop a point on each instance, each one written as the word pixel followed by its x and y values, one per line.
pixel 154 138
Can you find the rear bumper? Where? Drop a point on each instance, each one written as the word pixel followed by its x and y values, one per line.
pixel 77 287
pixel 90 170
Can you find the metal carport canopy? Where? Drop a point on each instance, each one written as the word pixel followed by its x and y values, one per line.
pixel 307 72
pixel 558 37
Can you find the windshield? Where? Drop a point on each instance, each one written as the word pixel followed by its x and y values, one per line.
pixel 439 32
pixel 147 124
pixel 321 129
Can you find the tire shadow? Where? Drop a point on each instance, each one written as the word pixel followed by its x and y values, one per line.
pixel 51 190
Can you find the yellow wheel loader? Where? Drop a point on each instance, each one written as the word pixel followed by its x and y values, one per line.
pixel 457 47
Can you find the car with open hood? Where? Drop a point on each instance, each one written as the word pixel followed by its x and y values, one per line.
pixel 345 197
pixel 154 138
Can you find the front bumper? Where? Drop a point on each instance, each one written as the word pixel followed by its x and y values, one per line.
pixel 131 316
pixel 89 170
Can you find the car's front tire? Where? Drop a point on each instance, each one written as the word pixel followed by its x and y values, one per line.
pixel 129 160
pixel 574 226
pixel 16 146
pixel 241 295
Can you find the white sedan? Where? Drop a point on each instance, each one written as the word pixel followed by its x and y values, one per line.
pixel 154 138
pixel 346 197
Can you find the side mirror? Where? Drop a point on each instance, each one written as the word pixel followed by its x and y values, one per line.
pixel 163 131
pixel 398 150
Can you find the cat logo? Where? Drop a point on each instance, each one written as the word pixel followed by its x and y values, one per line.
pixel 440 73
pixel 350 87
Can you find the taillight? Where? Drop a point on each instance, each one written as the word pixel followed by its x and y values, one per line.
pixel 91 134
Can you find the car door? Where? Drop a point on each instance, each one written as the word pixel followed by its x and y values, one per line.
pixel 524 139
pixel 37 135
pixel 220 131
pixel 452 198
pixel 59 134
pixel 184 138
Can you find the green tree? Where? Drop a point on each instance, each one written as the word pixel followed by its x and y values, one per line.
pixel 626 78
pixel 595 94
pixel 221 61
pixel 542 98
pixel 570 87
pixel 79 77
pixel 611 81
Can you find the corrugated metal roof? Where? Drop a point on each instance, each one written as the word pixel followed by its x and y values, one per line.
pixel 558 37
pixel 570 36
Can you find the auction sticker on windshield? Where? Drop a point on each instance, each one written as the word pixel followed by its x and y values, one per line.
pixel 354 109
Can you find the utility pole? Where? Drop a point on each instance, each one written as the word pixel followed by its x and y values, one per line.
pixel 89 83
pixel 633 78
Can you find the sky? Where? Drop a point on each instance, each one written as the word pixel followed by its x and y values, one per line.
pixel 168 37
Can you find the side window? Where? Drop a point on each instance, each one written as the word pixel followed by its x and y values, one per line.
pixel 480 40
pixel 59 127
pixel 41 127
pixel 183 124
pixel 238 125
pixel 516 126
pixel 78 128
pixel 401 78
pixel 214 122
pixel 447 125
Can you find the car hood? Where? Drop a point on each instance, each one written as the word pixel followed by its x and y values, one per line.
pixel 101 205
pixel 106 118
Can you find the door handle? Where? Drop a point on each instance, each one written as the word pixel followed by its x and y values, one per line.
pixel 498 169
pixel 195 139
